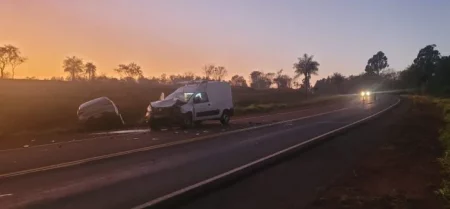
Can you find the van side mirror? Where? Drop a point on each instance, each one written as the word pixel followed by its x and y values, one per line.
pixel 162 96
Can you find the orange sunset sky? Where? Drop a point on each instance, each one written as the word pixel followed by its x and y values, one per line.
pixel 176 36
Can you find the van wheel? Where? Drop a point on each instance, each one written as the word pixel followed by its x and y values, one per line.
pixel 225 118
pixel 187 120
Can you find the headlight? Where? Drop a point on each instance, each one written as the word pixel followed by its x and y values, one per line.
pixel 363 93
pixel 367 92
pixel 149 108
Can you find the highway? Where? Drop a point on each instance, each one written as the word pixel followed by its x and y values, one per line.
pixel 132 170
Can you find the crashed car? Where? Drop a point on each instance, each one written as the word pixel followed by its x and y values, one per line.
pixel 191 104
pixel 99 113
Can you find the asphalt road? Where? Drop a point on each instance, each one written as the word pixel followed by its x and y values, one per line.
pixel 100 144
pixel 133 179
pixel 299 180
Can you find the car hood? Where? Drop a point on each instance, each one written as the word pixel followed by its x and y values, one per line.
pixel 163 103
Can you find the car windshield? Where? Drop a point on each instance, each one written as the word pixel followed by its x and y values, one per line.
pixel 180 95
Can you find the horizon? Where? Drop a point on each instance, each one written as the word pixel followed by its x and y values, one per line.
pixel 176 36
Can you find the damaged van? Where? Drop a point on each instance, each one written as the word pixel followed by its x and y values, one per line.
pixel 191 104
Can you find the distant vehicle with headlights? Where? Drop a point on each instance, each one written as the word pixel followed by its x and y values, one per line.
pixel 368 97
pixel 191 104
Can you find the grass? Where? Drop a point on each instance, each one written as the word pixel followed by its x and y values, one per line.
pixel 33 106
pixel 444 137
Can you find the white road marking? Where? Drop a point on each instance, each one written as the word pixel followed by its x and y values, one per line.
pixel 132 131
pixel 158 146
pixel 5 195
pixel 248 165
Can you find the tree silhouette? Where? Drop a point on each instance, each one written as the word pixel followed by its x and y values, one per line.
pixel 219 73
pixel 14 58
pixel 260 80
pixel 208 70
pixel 338 79
pixel 238 80
pixel 282 81
pixel 90 69
pixel 3 61
pixel 306 66
pixel 10 55
pixel 426 61
pixel 131 70
pixel 74 66
pixel 378 62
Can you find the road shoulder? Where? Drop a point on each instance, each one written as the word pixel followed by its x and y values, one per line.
pixel 403 172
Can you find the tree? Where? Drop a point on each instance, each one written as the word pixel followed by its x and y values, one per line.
pixel 14 58
pixel 90 69
pixel 378 62
pixel 238 80
pixel 306 66
pixel 282 81
pixel 131 70
pixel 260 80
pixel 337 80
pixel 426 62
pixel 74 66
pixel 163 78
pixel 3 61
pixel 440 82
pixel 208 70
pixel 10 55
pixel 219 73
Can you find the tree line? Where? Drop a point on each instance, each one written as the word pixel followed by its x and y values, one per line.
pixel 429 72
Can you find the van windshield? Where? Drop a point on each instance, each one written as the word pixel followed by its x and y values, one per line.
pixel 180 94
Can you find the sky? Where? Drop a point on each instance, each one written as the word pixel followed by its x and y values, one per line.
pixel 176 36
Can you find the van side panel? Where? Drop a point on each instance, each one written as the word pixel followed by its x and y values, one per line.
pixel 219 94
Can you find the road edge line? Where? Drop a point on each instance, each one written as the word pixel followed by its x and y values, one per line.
pixel 162 201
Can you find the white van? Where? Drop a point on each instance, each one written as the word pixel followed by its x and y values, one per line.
pixel 191 104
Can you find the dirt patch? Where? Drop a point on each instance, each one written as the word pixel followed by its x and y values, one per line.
pixel 403 173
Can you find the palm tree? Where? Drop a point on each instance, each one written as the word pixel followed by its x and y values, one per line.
pixel 306 66
pixel 90 69
pixel 73 66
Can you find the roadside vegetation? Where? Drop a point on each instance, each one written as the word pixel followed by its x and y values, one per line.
pixel 444 137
